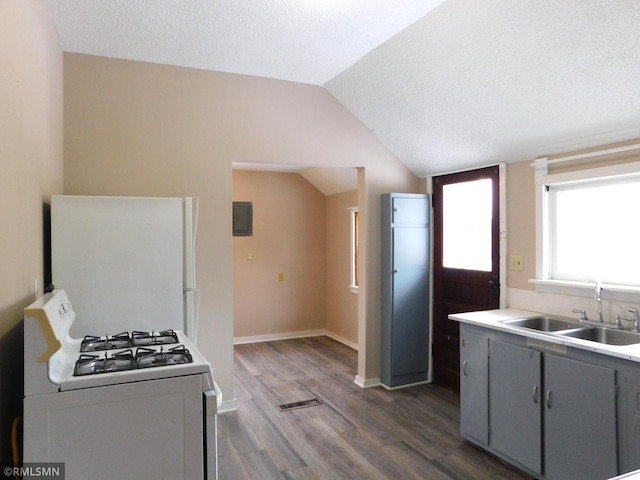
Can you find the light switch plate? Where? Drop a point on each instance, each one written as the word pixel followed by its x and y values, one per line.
pixel 517 263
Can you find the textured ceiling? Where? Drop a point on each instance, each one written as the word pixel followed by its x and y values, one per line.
pixel 308 41
pixel 445 85
pixel 481 81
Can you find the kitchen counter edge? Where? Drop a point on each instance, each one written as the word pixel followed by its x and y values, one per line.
pixel 493 319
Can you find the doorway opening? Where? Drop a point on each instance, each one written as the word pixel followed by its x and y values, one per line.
pixel 292 275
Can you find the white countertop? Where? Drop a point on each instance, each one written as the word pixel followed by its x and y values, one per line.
pixel 635 475
pixel 493 319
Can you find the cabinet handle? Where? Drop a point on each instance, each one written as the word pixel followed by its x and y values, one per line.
pixel 464 368
pixel 396 270
pixel 548 398
pixel 535 394
pixel 396 210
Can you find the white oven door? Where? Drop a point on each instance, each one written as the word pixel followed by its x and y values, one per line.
pixel 150 429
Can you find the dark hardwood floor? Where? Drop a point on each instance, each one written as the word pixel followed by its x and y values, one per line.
pixel 355 433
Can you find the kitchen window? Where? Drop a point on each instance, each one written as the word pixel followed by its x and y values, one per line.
pixel 588 231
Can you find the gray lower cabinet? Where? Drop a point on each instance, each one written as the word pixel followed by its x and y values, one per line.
pixel 631 421
pixel 474 385
pixel 552 416
pixel 580 420
pixel 404 276
pixel 515 413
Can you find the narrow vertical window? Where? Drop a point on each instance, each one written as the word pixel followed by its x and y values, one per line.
pixel 353 212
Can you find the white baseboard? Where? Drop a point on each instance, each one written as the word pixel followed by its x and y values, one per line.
pixel 403 386
pixel 279 336
pixel 302 334
pixel 367 383
pixel 342 340
pixel 228 406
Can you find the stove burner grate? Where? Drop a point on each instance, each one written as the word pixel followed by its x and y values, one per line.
pixel 95 344
pixel 94 364
pixel 165 337
pixel 148 358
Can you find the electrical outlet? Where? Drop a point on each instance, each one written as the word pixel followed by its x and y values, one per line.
pixel 517 263
pixel 251 255
pixel 281 276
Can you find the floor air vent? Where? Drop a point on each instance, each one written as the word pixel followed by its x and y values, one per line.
pixel 305 403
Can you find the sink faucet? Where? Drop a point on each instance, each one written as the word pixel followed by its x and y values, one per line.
pixel 583 314
pixel 636 319
pixel 598 298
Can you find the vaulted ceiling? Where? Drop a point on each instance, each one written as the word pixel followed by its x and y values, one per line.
pixel 444 84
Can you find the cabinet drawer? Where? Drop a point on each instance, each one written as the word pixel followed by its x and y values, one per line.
pixel 410 211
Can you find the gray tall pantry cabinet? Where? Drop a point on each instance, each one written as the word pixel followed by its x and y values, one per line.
pixel 405 343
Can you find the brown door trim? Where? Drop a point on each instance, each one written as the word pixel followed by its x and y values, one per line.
pixel 458 290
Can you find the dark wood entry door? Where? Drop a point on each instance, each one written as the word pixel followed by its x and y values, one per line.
pixel 466 259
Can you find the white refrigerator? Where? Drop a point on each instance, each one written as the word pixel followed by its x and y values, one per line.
pixel 126 263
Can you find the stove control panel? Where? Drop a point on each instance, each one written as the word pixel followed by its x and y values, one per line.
pixel 52 314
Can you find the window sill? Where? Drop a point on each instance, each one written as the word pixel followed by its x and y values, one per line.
pixel 354 289
pixel 586 289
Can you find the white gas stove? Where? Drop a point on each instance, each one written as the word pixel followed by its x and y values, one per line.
pixel 142 388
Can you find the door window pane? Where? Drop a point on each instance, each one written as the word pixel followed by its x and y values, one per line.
pixel 466 228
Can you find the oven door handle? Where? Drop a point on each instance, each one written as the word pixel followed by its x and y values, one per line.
pixel 211 403
pixel 213 394
pixel 218 393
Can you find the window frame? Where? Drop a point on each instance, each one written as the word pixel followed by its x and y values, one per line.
pixel 543 281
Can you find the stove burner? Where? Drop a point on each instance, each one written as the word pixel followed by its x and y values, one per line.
pixel 165 337
pixel 148 358
pixel 94 364
pixel 94 344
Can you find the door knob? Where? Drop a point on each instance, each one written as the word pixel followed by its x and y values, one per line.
pixel 494 284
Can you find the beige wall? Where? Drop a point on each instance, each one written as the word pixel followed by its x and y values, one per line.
pixel 288 237
pixel 373 182
pixel 342 305
pixel 521 208
pixel 521 237
pixel 521 222
pixel 30 172
pixel 135 128
pixel 302 233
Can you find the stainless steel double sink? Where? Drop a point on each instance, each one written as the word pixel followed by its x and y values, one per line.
pixel 565 328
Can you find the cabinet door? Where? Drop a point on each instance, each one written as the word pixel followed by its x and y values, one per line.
pixel 410 210
pixel 410 342
pixel 474 386
pixel 515 396
pixel 580 420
